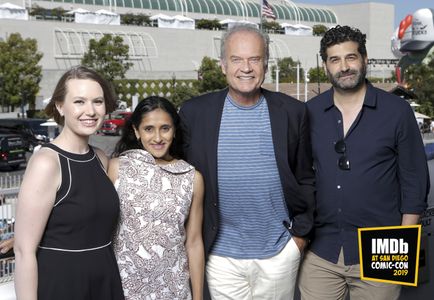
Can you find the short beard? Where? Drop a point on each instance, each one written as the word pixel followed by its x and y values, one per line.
pixel 351 86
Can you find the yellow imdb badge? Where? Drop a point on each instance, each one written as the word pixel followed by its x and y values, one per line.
pixel 390 254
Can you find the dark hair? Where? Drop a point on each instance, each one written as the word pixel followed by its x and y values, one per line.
pixel 79 72
pixel 341 34
pixel 245 28
pixel 129 141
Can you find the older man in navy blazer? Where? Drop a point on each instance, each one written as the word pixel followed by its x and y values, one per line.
pixel 253 148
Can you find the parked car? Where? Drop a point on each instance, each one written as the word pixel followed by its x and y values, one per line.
pixel 30 130
pixel 12 150
pixel 122 105
pixel 115 123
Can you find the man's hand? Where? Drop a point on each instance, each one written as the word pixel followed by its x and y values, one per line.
pixel 300 242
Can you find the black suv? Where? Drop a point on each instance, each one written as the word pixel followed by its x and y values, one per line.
pixel 30 130
pixel 12 150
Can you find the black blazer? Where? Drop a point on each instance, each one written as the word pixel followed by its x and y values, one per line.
pixel 200 122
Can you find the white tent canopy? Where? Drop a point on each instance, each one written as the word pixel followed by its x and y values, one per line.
pixel 231 22
pixel 107 17
pixel 227 21
pixel 178 21
pixel 101 16
pixel 297 29
pixel 160 16
pixel 12 11
pixel 78 10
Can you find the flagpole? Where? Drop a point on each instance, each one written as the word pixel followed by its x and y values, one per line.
pixel 260 15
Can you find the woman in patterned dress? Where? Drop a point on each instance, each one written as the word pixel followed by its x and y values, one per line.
pixel 67 207
pixel 158 246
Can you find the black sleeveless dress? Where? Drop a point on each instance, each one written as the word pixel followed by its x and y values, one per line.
pixel 75 256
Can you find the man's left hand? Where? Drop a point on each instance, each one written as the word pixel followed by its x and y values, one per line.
pixel 300 242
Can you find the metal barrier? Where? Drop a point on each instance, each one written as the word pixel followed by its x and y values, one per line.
pixel 9 188
pixel 10 182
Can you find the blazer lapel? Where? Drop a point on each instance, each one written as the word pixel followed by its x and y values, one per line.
pixel 279 129
pixel 212 129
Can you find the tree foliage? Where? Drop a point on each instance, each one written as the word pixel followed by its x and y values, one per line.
pixel 47 13
pixel 108 56
pixel 20 73
pixel 313 74
pixel 319 29
pixel 287 70
pixel 271 26
pixel 182 93
pixel 210 76
pixel 420 78
pixel 135 19
pixel 208 24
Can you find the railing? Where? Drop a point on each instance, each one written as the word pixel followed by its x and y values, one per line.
pixel 10 182
pixel 9 188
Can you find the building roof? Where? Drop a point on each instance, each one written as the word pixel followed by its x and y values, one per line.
pixel 284 10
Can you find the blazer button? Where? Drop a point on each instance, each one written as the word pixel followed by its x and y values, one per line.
pixel 214 228
pixel 215 204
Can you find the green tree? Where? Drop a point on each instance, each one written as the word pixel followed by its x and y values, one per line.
pixel 135 19
pixel 208 24
pixel 313 74
pixel 181 93
pixel 20 73
pixel 108 56
pixel 420 78
pixel 271 26
pixel 287 70
pixel 210 76
pixel 319 29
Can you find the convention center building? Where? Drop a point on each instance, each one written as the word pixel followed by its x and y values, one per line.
pixel 172 46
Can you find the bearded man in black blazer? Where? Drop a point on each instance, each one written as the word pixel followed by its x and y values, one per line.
pixel 253 149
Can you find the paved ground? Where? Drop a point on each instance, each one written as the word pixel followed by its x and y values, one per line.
pixel 106 143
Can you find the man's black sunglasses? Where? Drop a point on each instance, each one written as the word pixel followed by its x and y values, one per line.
pixel 343 161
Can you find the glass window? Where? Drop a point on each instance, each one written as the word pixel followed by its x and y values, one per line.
pixel 279 11
pixel 220 6
pixel 233 9
pixel 155 4
pixel 332 16
pixel 146 4
pixel 321 15
pixel 196 6
pixel 313 14
pixel 214 6
pixel 120 3
pixel 304 15
pixel 137 3
pixel 254 9
pixel 163 5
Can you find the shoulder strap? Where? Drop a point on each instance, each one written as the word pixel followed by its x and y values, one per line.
pixel 65 173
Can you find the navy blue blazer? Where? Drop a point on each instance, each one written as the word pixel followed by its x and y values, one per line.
pixel 200 123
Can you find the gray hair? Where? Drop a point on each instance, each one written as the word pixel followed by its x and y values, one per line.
pixel 245 28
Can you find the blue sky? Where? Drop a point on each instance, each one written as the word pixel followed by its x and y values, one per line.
pixel 402 8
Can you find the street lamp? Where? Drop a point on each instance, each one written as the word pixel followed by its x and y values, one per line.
pixel 23 93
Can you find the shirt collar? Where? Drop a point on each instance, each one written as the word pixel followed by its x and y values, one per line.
pixel 370 97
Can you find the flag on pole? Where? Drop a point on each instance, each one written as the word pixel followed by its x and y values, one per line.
pixel 267 11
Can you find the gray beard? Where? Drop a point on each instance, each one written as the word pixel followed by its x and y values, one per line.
pixel 355 85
